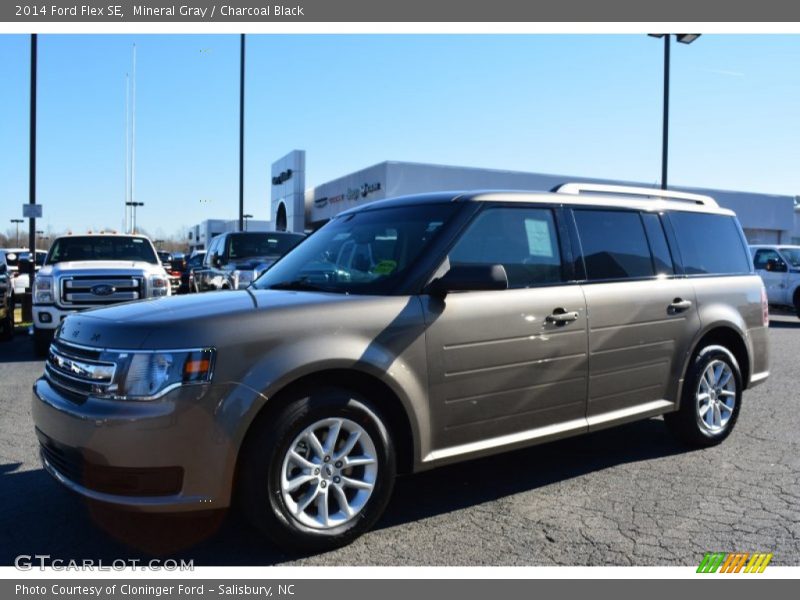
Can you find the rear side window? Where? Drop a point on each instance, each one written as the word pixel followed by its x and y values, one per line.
pixel 710 244
pixel 523 240
pixel 614 244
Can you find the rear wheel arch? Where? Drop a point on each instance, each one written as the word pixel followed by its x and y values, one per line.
pixel 730 339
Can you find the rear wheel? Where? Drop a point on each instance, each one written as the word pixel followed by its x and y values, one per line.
pixel 797 302
pixel 320 473
pixel 711 398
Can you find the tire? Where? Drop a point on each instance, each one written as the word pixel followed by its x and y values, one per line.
pixel 708 413
pixel 41 342
pixel 7 326
pixel 268 469
pixel 797 302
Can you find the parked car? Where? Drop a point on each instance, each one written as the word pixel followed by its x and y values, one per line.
pixel 190 265
pixel 87 271
pixel 403 335
pixel 779 267
pixel 19 281
pixel 236 259
pixel 6 308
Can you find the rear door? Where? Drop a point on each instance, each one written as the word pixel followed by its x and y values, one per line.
pixel 642 317
pixel 500 370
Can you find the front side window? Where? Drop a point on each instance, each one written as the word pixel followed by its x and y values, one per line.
pixel 614 244
pixel 78 248
pixel 762 257
pixel 523 240
pixel 366 252
pixel 251 245
pixel 710 244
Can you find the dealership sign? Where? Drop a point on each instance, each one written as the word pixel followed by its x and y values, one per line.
pixel 351 194
pixel 283 177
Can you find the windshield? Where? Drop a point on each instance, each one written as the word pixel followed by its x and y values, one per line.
pixel 40 256
pixel 101 248
pixel 792 255
pixel 11 258
pixel 247 245
pixel 366 252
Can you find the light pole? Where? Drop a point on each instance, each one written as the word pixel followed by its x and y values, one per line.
pixel 241 131
pixel 133 206
pixel 17 222
pixel 683 38
pixel 245 217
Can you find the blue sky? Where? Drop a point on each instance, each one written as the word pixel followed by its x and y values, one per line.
pixel 573 104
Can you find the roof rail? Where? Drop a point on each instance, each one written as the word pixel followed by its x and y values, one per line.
pixel 626 190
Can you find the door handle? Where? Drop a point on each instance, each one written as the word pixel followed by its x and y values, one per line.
pixel 561 317
pixel 679 305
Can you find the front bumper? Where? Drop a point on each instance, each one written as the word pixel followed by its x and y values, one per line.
pixel 173 454
pixel 49 316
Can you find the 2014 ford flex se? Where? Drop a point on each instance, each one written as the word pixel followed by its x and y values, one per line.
pixel 403 335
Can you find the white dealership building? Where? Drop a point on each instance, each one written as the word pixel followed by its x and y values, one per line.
pixel 766 218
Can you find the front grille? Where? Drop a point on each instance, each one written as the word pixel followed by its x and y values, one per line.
pixel 98 291
pixel 78 372
pixel 73 465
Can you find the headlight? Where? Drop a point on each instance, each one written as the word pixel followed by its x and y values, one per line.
pixel 147 375
pixel 159 286
pixel 241 279
pixel 43 291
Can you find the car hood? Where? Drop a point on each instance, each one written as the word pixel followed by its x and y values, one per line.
pixel 192 320
pixel 96 267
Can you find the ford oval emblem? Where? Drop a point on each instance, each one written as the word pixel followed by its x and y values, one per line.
pixel 103 290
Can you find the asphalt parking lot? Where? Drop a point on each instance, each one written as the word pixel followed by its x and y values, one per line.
pixel 627 496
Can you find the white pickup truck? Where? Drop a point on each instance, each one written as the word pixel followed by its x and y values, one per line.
pixel 89 271
pixel 779 268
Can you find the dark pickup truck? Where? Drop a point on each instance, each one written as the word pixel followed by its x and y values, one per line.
pixel 235 259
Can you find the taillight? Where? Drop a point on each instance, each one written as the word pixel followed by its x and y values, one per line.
pixel 764 307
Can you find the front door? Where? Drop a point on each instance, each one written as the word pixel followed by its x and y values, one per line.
pixel 502 369
pixel 774 281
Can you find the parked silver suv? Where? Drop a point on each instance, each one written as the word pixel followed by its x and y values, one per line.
pixel 404 335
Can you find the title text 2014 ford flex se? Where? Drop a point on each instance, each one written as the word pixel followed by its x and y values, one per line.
pixel 403 335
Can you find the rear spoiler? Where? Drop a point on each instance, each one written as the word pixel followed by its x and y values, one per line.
pixel 639 192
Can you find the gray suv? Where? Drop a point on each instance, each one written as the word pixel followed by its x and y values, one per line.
pixel 403 335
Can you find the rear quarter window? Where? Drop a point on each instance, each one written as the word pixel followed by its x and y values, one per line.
pixel 710 244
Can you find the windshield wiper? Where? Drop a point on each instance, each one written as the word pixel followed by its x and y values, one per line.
pixel 300 285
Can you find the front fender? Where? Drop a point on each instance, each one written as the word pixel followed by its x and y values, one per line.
pixel 288 363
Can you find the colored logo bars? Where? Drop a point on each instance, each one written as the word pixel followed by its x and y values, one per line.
pixel 734 562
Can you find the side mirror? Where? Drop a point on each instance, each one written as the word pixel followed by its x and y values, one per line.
pixel 775 265
pixel 470 278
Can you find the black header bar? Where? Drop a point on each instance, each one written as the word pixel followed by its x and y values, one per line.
pixel 464 11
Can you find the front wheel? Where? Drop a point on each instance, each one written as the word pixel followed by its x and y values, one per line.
pixel 7 326
pixel 711 398
pixel 320 473
pixel 42 338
